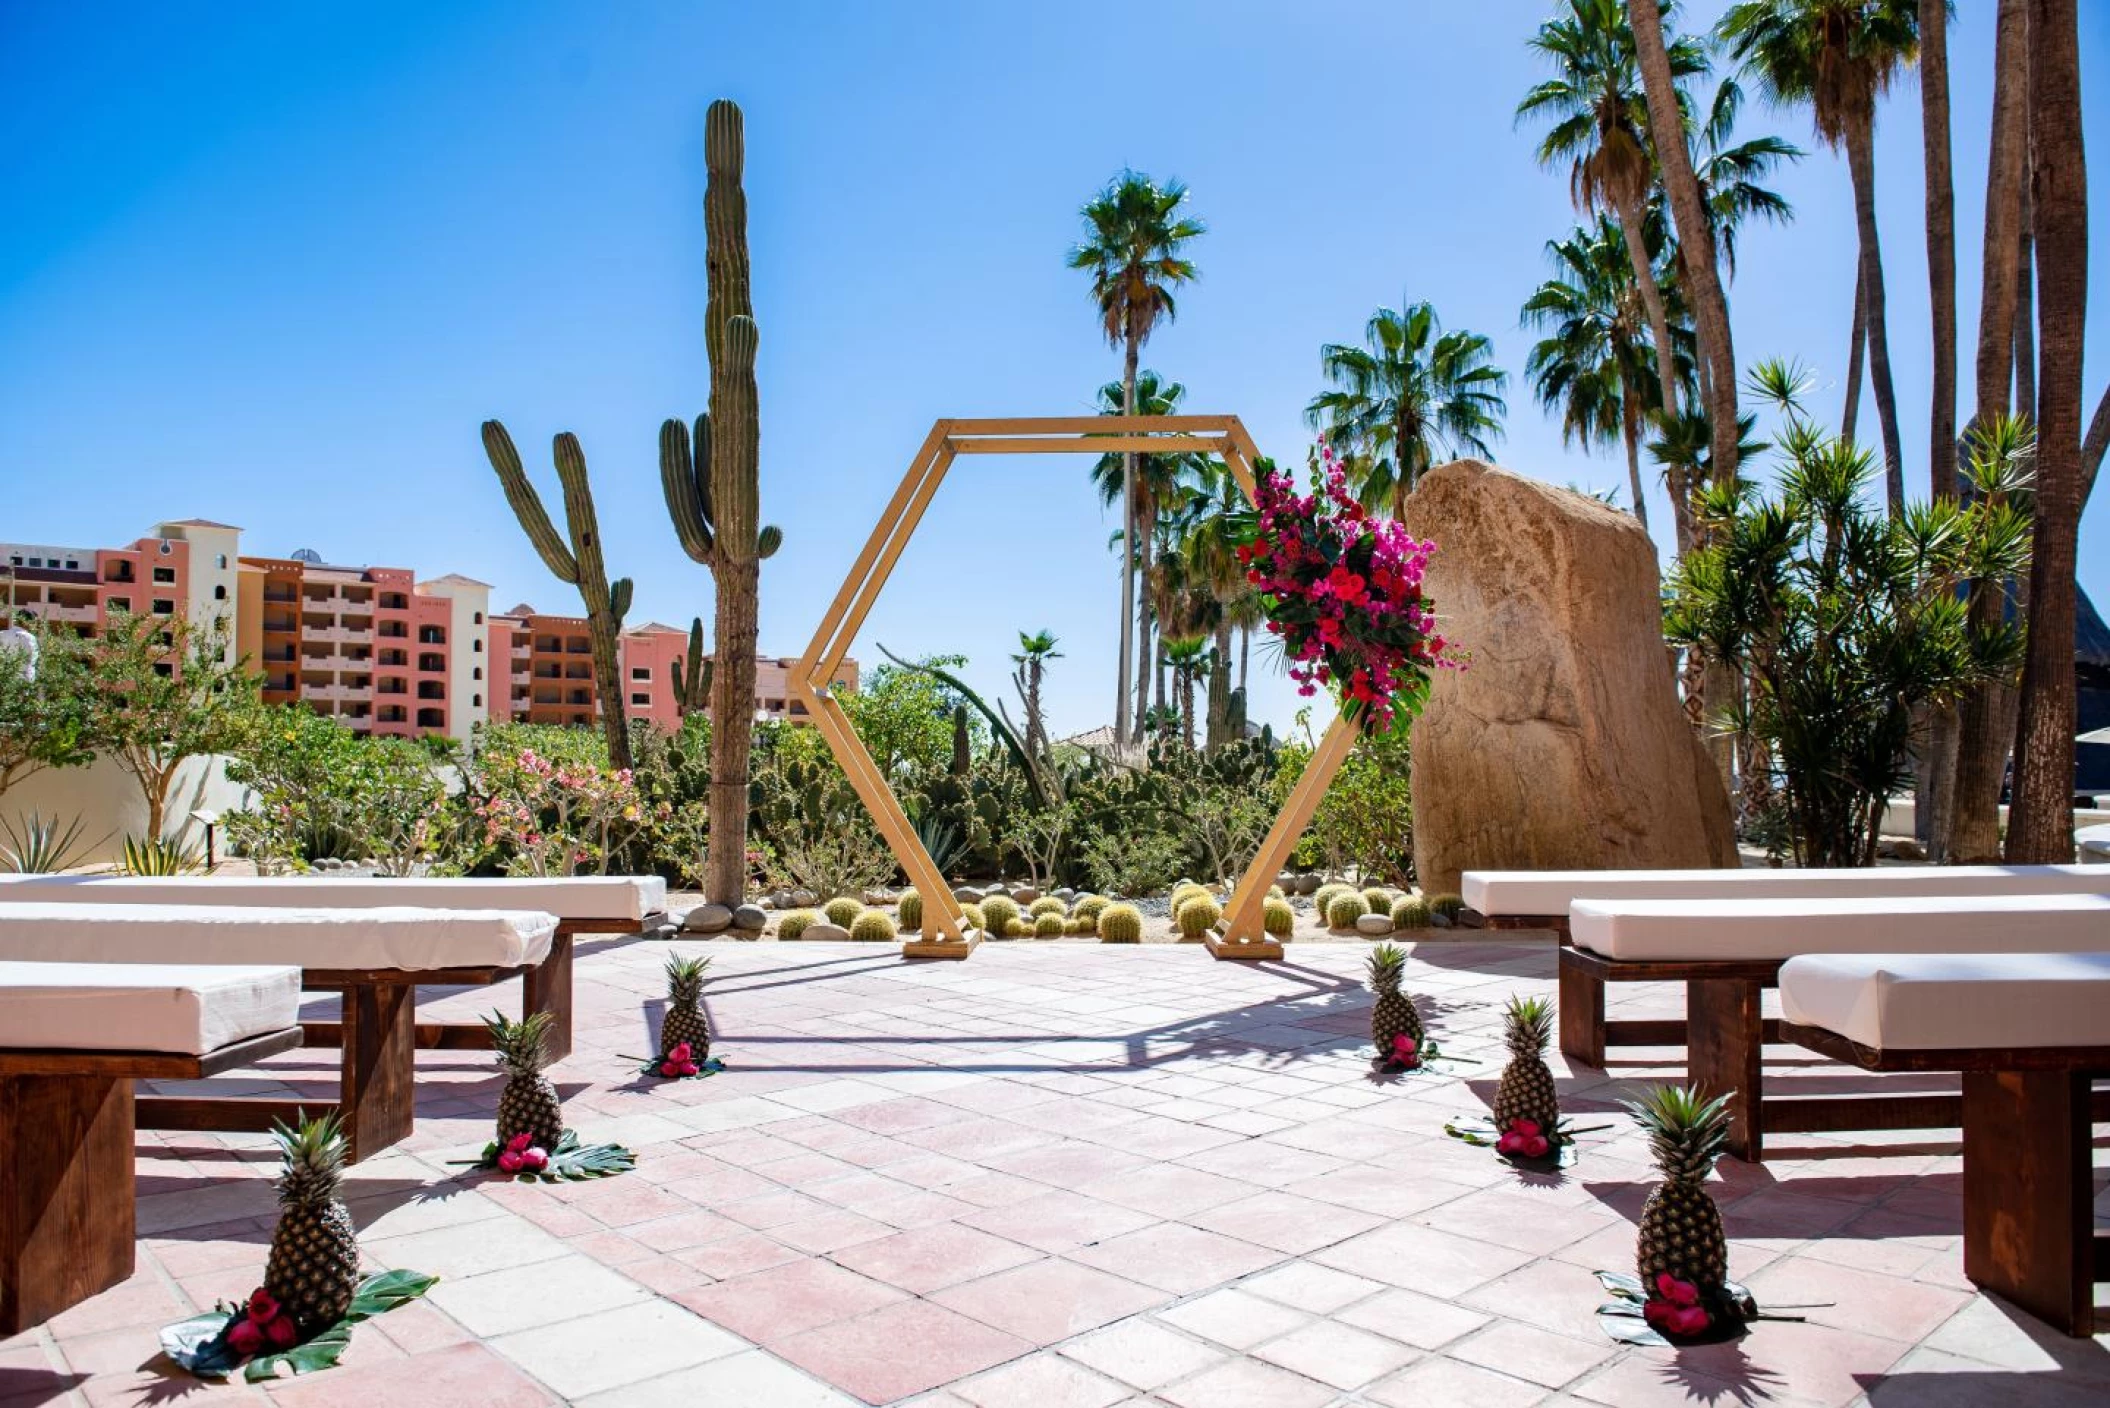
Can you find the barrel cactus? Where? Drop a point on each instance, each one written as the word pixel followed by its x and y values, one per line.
pixel 1345 908
pixel 796 922
pixel 842 912
pixel 1121 924
pixel 999 911
pixel 1048 926
pixel 1277 917
pixel 712 487
pixel 1184 891
pixel 1449 906
pixel 1197 917
pixel 578 562
pixel 1017 929
pixel 1089 907
pixel 872 927
pixel 1410 912
pixel 1327 893
pixel 1379 899
pixel 1078 927
pixel 1048 904
pixel 910 912
pixel 972 913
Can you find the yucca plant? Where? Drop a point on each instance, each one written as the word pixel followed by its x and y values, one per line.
pixel 160 856
pixel 40 845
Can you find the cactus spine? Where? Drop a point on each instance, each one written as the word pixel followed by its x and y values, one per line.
pixel 580 563
pixel 712 490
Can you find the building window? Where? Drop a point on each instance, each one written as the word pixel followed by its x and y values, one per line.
pixel 478 648
pixel 223 562
pixel 219 593
pixel 478 618
pixel 641 700
pixel 164 607
pixel 120 603
pixel 164 574
pixel 476 672
pixel 476 701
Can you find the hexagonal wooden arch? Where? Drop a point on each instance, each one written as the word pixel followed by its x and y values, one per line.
pixel 945 933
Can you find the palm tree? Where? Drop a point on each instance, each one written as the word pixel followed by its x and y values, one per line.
pixel 1600 131
pixel 1839 56
pixel 1035 650
pixel 1411 392
pixel 1595 362
pixel 2040 825
pixel 1208 537
pixel 1147 484
pixel 1134 232
pixel 1732 174
pixel 1190 658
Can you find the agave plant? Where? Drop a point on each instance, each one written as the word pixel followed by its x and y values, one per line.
pixel 40 845
pixel 159 855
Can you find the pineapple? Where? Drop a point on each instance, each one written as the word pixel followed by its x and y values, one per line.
pixel 1681 1229
pixel 529 1105
pixel 1526 1091
pixel 1393 1014
pixel 685 1021
pixel 314 1266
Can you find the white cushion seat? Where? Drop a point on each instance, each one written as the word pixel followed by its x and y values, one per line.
pixel 186 1009
pixel 1774 928
pixel 615 898
pixel 412 940
pixel 1952 1001
pixel 1535 892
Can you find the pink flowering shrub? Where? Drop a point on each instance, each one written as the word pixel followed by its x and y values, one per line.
pixel 1343 590
pixel 559 818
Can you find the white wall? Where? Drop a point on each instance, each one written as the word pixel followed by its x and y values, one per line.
pixel 214 558
pixel 110 806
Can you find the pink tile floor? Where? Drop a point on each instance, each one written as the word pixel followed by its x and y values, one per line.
pixel 1059 1176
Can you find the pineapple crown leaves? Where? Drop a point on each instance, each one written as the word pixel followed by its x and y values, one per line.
pixel 686 974
pixel 1387 963
pixel 520 1044
pixel 1685 1129
pixel 1530 1024
pixel 314 1152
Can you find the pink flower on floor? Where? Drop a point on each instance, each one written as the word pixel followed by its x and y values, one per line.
pixel 1680 1320
pixel 533 1160
pixel 281 1331
pixel 1404 1051
pixel 262 1308
pixel 1677 1292
pixel 514 1157
pixel 1522 1138
pixel 245 1337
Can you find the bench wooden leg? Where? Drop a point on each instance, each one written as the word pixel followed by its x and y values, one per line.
pixel 1581 1001
pixel 66 1195
pixel 547 988
pixel 380 1065
pixel 1724 1042
pixel 2028 1217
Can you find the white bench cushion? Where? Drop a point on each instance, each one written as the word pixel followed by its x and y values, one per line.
pixel 187 1009
pixel 1671 930
pixel 410 939
pixel 1952 1001
pixel 1529 892
pixel 625 898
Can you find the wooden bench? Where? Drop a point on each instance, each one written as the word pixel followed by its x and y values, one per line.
pixel 1540 899
pixel 374 957
pixel 73 1038
pixel 2028 1032
pixel 1727 952
pixel 582 904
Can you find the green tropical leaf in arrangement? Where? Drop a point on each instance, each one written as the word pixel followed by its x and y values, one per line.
pixel 200 1346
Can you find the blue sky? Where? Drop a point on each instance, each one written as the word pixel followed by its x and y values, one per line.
pixel 274 264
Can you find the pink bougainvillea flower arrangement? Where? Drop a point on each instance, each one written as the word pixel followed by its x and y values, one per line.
pixel 1343 591
pixel 680 1061
pixel 1406 1054
pixel 1675 1308
pixel 521 1156
pixel 1525 1139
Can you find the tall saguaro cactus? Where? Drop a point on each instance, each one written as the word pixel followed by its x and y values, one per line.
pixel 692 673
pixel 579 563
pixel 713 496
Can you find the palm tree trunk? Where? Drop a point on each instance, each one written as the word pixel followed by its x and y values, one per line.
pixel 1985 727
pixel 2040 825
pixel 1861 162
pixel 1245 635
pixel 2093 446
pixel 1695 233
pixel 1850 414
pixel 1630 230
pixel 2026 301
pixel 1122 723
pixel 1630 429
pixel 1146 509
pixel 1932 788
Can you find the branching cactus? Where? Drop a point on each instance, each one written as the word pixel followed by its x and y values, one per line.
pixel 712 488
pixel 692 674
pixel 578 562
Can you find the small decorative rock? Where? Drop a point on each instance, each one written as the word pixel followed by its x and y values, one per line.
pixel 824 932
pixel 709 919
pixel 1025 894
pixel 967 894
pixel 1373 924
pixel 749 916
pixel 1439 921
pixel 802 899
pixel 1307 884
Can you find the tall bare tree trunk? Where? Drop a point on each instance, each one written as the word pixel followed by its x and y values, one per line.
pixel 1630 430
pixel 2040 824
pixel 1850 414
pixel 1985 727
pixel 1146 621
pixel 1123 731
pixel 1861 161
pixel 2026 301
pixel 1933 785
pixel 1630 229
pixel 2093 446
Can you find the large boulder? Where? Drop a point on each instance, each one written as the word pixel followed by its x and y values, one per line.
pixel 1564 745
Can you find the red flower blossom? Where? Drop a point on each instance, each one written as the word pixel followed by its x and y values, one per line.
pixel 282 1332
pixel 1680 1320
pixel 1677 1292
pixel 245 1337
pixel 262 1307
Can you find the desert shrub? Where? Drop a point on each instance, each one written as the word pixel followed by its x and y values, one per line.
pixel 1410 912
pixel 796 922
pixel 1049 926
pixel 1121 924
pixel 872 927
pixel 1345 909
pixel 1366 818
pixel 842 911
pixel 1277 917
pixel 1197 917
